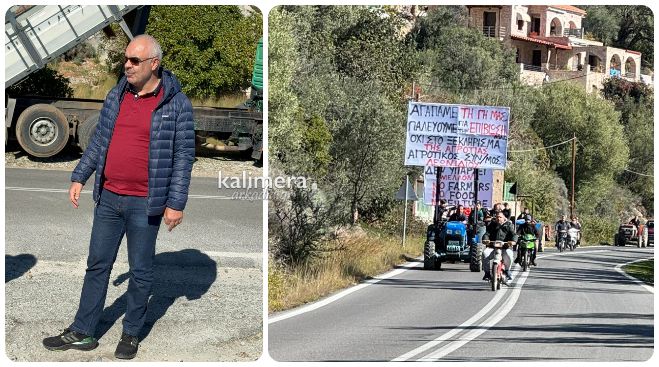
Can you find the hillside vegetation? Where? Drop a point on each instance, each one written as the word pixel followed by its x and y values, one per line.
pixel 340 78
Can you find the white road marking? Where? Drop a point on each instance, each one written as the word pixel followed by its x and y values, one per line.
pixel 247 255
pixel 336 297
pixel 493 320
pixel 647 287
pixel 39 189
pixel 498 315
pixel 453 332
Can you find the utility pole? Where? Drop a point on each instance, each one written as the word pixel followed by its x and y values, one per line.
pixel 574 159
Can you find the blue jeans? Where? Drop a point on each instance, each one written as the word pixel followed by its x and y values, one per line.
pixel 114 216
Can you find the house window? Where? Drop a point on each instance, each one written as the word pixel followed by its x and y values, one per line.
pixel 520 24
pixel 535 25
pixel 489 23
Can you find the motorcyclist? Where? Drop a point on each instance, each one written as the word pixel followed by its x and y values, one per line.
pixel 459 215
pixel 636 222
pixel 574 223
pixel 523 214
pixel 499 229
pixel 495 209
pixel 527 228
pixel 561 225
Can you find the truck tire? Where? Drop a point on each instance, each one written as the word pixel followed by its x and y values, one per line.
pixel 475 256
pixel 42 130
pixel 86 131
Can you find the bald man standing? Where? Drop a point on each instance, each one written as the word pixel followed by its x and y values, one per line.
pixel 142 154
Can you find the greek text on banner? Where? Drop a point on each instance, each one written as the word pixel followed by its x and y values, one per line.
pixel 452 135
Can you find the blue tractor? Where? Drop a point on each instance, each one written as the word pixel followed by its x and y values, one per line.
pixel 451 242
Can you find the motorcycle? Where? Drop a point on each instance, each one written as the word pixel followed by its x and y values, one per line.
pixel 562 240
pixel 496 274
pixel 526 248
pixel 573 233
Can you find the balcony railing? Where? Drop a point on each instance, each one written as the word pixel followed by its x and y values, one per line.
pixel 491 31
pixel 572 32
pixel 529 67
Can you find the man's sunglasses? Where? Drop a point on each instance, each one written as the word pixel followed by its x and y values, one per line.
pixel 136 60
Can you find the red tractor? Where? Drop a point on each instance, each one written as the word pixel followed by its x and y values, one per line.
pixel 628 234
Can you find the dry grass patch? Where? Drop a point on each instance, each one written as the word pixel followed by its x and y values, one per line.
pixel 352 258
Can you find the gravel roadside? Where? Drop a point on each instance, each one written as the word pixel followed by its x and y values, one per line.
pixel 207 163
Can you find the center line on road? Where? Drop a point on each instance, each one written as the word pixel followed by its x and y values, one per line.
pixel 475 333
pixel 446 336
pixel 498 315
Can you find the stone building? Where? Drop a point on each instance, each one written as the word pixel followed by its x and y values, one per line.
pixel 549 44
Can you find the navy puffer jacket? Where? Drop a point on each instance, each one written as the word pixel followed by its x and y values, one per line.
pixel 171 147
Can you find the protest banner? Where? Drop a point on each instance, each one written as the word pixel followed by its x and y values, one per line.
pixel 453 135
pixel 457 186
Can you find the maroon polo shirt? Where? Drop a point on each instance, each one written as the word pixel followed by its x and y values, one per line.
pixel 127 165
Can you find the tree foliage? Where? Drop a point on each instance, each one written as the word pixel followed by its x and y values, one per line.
pixel 635 102
pixel 563 111
pixel 210 48
pixel 337 115
pixel 459 59
pixel 45 82
pixel 628 27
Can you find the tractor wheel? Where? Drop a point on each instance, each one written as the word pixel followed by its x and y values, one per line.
pixel 475 257
pixel 428 260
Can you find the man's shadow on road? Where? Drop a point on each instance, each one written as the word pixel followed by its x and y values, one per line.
pixel 16 266
pixel 187 273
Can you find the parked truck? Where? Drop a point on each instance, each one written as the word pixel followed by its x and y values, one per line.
pixel 43 126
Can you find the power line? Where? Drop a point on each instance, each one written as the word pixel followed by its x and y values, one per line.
pixel 638 173
pixel 542 148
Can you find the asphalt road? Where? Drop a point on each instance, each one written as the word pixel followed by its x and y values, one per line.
pixel 207 299
pixel 574 307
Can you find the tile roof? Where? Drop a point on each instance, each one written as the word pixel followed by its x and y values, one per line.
pixel 542 42
pixel 570 8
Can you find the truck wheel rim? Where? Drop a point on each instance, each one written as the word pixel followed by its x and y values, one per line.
pixel 43 131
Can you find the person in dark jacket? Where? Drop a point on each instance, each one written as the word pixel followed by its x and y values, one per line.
pixel 561 228
pixel 499 229
pixel 635 221
pixel 527 228
pixel 142 154
pixel 524 213
pixel 506 210
pixel 459 215
pixel 477 218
